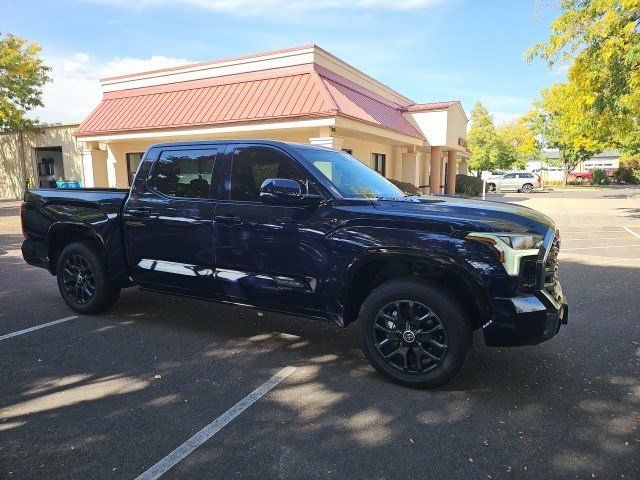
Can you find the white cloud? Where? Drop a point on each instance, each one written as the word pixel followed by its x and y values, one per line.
pixel 259 7
pixel 501 118
pixel 75 87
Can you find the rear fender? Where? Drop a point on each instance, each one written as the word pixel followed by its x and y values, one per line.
pixel 110 246
pixel 63 233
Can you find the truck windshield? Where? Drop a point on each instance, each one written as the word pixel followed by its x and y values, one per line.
pixel 352 178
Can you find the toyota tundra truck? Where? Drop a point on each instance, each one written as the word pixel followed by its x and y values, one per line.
pixel 312 232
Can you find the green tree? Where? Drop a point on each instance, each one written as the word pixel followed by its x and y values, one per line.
pixel 564 124
pixel 482 139
pixel 600 41
pixel 517 143
pixel 22 76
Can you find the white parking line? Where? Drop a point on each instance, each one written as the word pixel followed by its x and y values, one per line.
pixel 37 327
pixel 214 427
pixel 590 238
pixel 632 232
pixel 606 246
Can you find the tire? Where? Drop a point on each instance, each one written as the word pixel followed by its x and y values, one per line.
pixel 491 187
pixel 527 188
pixel 83 279
pixel 447 325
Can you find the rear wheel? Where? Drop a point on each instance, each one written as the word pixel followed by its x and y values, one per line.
pixel 526 188
pixel 83 279
pixel 491 187
pixel 414 333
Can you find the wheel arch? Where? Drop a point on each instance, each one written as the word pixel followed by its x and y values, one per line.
pixel 61 234
pixel 374 267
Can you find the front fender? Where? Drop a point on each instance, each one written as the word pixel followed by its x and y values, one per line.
pixel 464 274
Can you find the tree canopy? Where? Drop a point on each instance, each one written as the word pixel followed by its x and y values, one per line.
pixel 499 147
pixel 22 76
pixel 517 143
pixel 599 40
pixel 482 138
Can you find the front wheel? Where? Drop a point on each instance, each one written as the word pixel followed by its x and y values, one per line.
pixel 83 279
pixel 414 333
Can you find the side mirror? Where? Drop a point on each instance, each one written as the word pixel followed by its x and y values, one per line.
pixel 285 191
pixel 280 191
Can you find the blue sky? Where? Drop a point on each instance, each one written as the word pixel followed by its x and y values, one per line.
pixel 429 50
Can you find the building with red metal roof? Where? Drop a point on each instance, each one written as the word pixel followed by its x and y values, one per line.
pixel 302 94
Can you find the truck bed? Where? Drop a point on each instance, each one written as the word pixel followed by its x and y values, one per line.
pixel 48 213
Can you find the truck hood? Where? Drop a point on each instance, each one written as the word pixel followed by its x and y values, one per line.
pixel 469 214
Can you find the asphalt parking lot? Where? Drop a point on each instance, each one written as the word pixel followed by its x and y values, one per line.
pixel 110 396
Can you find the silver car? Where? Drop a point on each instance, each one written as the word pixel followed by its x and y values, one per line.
pixel 516 181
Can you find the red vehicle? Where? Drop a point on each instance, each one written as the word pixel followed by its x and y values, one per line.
pixel 579 177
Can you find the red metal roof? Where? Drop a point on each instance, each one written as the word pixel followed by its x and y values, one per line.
pixel 305 91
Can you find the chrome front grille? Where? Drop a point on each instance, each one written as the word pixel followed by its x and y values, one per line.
pixel 550 270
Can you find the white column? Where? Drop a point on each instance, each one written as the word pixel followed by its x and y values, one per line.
pixel 411 168
pixel 329 142
pixel 111 168
pixel 396 172
pixel 87 168
pixel 463 168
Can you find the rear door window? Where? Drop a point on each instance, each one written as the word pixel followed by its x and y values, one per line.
pixel 184 173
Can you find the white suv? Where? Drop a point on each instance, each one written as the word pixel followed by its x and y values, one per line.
pixel 518 181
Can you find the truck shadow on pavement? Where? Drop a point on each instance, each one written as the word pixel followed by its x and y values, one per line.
pixel 113 394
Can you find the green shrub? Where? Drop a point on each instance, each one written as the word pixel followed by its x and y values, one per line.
pixel 468 185
pixel 629 169
pixel 406 187
pixel 626 174
pixel 599 177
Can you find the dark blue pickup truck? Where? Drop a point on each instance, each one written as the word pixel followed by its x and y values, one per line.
pixel 312 232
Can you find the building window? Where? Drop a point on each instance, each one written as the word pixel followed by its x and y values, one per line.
pixel 379 161
pixel 133 160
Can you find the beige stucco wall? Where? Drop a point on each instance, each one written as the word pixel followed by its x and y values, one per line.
pixel 456 126
pixel 11 170
pixel 114 152
pixel 11 176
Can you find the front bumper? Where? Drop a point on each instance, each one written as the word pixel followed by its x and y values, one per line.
pixel 525 320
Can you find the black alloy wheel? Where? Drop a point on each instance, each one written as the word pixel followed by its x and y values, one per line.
pixel 414 332
pixel 410 336
pixel 83 278
pixel 78 279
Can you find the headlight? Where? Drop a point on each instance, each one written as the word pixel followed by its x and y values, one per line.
pixel 522 242
pixel 511 247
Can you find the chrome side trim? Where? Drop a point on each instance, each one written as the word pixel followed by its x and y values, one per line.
pixel 175 268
